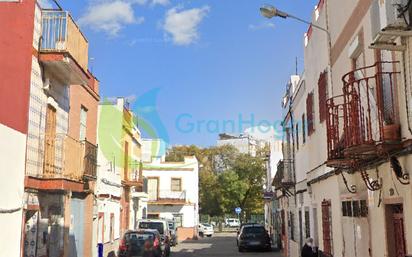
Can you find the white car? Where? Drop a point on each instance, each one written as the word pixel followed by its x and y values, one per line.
pixel 206 229
pixel 232 223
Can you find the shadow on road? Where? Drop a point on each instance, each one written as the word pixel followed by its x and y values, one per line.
pixel 218 245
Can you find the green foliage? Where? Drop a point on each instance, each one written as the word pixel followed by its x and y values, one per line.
pixel 227 179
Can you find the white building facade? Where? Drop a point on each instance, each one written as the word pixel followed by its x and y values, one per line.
pixel 173 190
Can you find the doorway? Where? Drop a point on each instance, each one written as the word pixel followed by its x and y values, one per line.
pixel 395 230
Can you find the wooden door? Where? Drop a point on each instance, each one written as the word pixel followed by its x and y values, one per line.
pixel 50 141
pixel 399 232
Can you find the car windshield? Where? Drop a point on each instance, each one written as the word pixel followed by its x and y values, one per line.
pixel 152 225
pixel 253 230
pixel 206 225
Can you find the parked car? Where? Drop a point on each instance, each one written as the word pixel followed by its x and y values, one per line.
pixel 206 229
pixel 232 223
pixel 240 228
pixel 253 237
pixel 144 242
pixel 173 232
pixel 163 227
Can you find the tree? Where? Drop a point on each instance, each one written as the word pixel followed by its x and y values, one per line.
pixel 227 179
pixel 242 186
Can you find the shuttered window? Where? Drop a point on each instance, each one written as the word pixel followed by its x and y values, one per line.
pixel 83 123
pixel 322 90
pixel 176 184
pixel 327 227
pixel 310 114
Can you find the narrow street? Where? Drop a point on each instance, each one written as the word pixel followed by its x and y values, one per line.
pixel 223 245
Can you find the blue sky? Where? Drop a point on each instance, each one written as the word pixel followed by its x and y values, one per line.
pixel 212 60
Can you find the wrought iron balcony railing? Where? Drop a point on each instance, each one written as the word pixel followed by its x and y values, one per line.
pixel 364 116
pixel 65 157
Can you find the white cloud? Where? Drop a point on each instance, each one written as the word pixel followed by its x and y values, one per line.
pixel 160 2
pixel 263 25
pixel 183 25
pixel 110 17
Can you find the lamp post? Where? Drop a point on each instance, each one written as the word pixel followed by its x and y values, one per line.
pixel 270 11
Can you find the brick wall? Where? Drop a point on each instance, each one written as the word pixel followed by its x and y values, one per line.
pixel 80 96
pixel 184 234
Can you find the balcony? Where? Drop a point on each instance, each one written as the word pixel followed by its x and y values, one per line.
pixel 70 159
pixel 167 197
pixel 63 49
pixel 134 179
pixel 284 178
pixel 362 123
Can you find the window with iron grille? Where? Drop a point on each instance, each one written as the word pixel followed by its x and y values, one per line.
pixel 327 227
pixel 323 92
pixel 307 224
pixel 347 209
pixel 310 114
pixel 356 209
pixel 364 208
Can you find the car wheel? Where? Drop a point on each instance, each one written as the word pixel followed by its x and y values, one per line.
pixel 209 235
pixel 241 250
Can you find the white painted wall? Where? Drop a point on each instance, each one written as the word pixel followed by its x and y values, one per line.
pixel 190 184
pixel 12 159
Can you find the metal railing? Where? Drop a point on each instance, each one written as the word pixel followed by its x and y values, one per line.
pixel 61 34
pixel 167 195
pixel 359 116
pixel 66 157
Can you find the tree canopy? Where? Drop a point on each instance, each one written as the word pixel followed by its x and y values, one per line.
pixel 227 179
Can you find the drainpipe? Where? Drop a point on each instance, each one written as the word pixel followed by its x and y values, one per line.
pixel 406 82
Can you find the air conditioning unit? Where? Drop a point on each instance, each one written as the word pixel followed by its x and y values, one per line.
pixel 390 19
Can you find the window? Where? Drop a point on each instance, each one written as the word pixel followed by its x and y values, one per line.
pixel 323 92
pixel 307 224
pixel 292 225
pixel 176 185
pixel 112 227
pixel 309 114
pixel 297 136
pixel 356 209
pixel 303 129
pixel 83 123
pixel 364 208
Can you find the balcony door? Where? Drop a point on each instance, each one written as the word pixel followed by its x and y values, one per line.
pixel 153 188
pixel 50 141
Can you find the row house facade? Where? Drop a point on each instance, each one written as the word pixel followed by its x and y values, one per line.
pixel 121 189
pixel 347 128
pixel 172 189
pixel 56 107
pixel 69 189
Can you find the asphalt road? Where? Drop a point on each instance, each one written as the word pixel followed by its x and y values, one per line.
pixel 223 245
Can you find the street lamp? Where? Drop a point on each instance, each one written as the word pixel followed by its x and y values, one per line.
pixel 270 11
